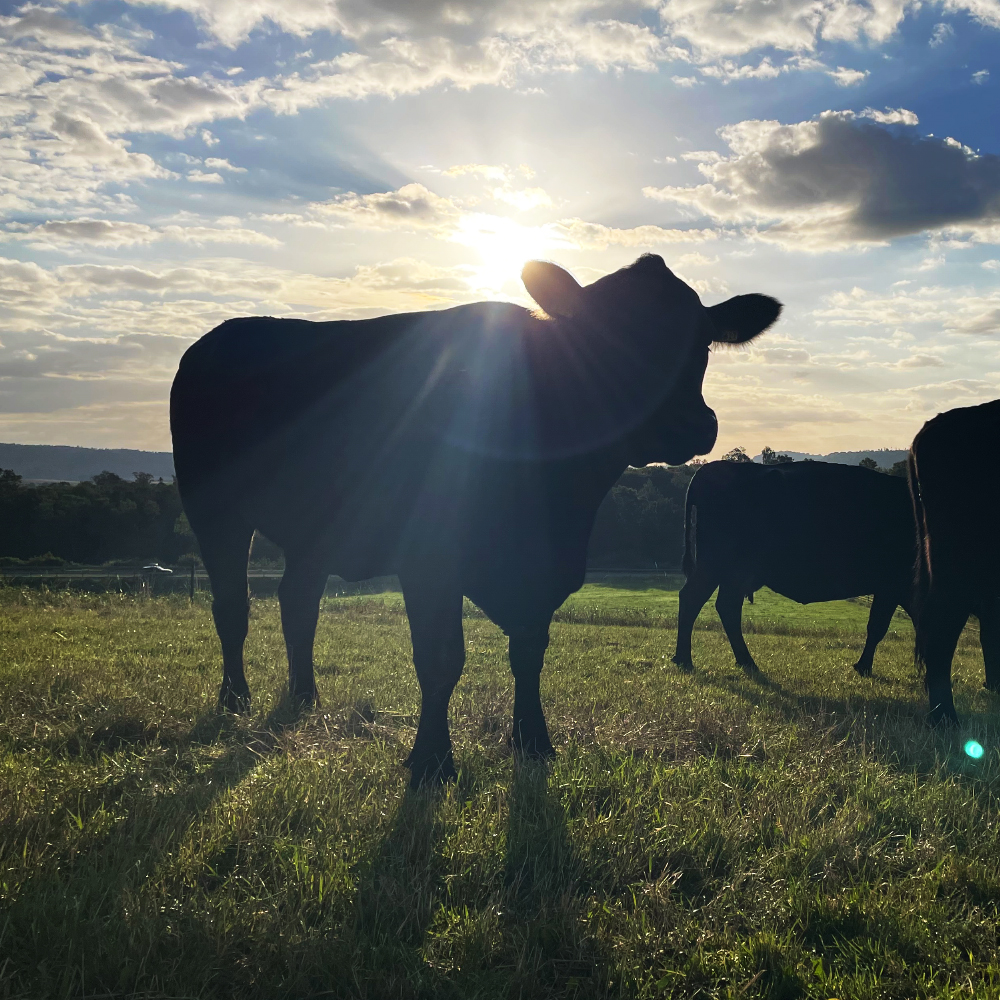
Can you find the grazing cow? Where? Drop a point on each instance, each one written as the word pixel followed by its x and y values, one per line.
pixel 955 482
pixel 466 450
pixel 812 531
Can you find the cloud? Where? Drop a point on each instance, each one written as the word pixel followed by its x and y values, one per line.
pixel 891 116
pixel 200 177
pixel 841 180
pixel 942 32
pixel 955 310
pixel 594 236
pixel 981 76
pixel 412 206
pixel 847 77
pixel 113 233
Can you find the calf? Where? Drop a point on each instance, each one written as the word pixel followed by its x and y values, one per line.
pixel 955 482
pixel 466 450
pixel 811 531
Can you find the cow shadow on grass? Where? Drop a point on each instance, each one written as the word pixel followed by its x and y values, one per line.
pixel 893 729
pixel 89 896
pixel 545 896
pixel 509 921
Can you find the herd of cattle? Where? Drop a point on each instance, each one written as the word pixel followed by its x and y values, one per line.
pixel 468 451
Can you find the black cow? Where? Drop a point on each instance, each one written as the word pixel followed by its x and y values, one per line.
pixel 955 483
pixel 467 450
pixel 812 531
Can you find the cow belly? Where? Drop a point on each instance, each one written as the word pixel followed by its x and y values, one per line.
pixel 811 590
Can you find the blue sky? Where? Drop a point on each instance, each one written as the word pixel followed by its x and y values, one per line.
pixel 164 166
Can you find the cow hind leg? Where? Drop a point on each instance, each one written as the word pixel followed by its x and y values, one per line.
pixel 692 598
pixel 434 607
pixel 989 638
pixel 530 735
pixel 939 625
pixel 729 604
pixel 225 548
pixel 883 608
pixel 302 585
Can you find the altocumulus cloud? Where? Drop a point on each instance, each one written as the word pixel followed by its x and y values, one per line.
pixel 842 179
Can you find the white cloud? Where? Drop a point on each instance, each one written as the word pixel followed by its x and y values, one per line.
pixel 845 77
pixel 841 180
pixel 218 163
pixel 942 32
pixel 200 177
pixel 62 234
pixel 891 116
pixel 981 76
pixel 934 307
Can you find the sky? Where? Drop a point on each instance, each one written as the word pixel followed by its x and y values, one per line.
pixel 167 165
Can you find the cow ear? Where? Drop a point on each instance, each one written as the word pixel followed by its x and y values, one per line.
pixel 554 289
pixel 743 317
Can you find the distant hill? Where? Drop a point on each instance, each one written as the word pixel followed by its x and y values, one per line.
pixel 63 463
pixel 885 457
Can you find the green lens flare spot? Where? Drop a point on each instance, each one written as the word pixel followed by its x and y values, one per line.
pixel 973 749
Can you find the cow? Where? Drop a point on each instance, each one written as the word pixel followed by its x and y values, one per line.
pixel 811 531
pixel 466 450
pixel 954 483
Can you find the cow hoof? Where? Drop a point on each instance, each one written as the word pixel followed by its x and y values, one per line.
pixel 430 770
pixel 862 670
pixel 686 666
pixel 306 699
pixel 234 699
pixel 942 718
pixel 535 749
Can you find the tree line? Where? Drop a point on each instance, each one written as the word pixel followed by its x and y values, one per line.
pixel 110 519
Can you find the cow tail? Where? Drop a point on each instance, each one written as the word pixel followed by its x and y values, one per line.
pixel 922 564
pixel 690 538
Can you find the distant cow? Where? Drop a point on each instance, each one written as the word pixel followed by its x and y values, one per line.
pixel 467 450
pixel 811 531
pixel 955 483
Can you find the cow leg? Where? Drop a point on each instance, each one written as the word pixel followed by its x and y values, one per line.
pixel 225 548
pixel 526 650
pixel 434 608
pixel 883 608
pixel 729 604
pixel 302 585
pixel 940 624
pixel 692 598
pixel 989 639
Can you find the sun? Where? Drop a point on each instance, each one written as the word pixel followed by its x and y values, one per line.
pixel 503 246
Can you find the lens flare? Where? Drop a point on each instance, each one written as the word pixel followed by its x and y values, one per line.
pixel 973 749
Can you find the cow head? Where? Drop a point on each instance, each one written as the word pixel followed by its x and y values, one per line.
pixel 642 338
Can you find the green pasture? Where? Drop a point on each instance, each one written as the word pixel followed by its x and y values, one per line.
pixel 699 835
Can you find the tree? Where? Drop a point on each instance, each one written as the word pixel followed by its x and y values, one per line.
pixel 869 463
pixel 769 456
pixel 737 454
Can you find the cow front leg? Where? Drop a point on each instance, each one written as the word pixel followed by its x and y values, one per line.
pixel 939 626
pixel 299 593
pixel 729 604
pixel 530 734
pixel 883 608
pixel 434 608
pixel 692 598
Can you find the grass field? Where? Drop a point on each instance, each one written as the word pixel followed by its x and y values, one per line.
pixel 700 835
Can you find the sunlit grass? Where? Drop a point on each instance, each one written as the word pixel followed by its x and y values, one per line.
pixel 698 835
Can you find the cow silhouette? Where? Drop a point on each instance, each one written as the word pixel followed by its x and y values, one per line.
pixel 466 450
pixel 955 482
pixel 811 531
